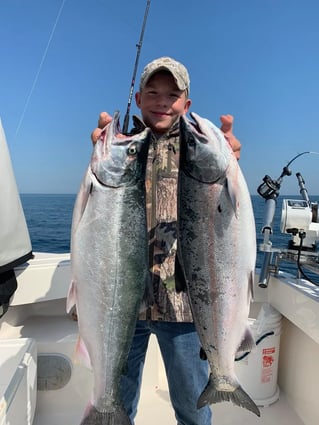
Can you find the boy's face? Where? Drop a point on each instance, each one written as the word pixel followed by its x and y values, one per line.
pixel 161 102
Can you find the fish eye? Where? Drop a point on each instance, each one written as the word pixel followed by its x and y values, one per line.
pixel 132 150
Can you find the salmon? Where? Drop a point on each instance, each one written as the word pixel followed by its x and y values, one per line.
pixel 216 254
pixel 109 262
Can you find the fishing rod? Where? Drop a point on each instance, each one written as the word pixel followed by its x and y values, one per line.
pixel 269 190
pixel 138 46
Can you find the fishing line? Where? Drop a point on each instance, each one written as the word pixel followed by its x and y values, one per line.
pixel 40 67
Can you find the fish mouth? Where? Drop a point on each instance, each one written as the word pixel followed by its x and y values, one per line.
pixel 114 135
pixel 116 157
pixel 112 129
pixel 199 158
pixel 188 126
pixel 191 132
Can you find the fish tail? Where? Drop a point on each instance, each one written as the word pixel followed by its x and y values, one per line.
pixel 116 417
pixel 239 397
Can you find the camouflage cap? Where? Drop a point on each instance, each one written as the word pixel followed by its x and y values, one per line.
pixel 166 63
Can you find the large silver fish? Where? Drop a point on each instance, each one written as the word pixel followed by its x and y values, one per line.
pixel 217 253
pixel 109 259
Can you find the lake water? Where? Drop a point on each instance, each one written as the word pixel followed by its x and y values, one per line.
pixel 49 220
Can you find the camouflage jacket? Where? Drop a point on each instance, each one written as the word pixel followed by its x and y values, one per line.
pixel 161 204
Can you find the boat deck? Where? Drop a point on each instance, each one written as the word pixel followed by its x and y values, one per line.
pixel 155 406
pixel 59 334
pixel 156 409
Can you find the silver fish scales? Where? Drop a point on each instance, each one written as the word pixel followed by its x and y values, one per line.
pixel 109 259
pixel 217 253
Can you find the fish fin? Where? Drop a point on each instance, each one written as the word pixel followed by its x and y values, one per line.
pixel 239 397
pixel 180 281
pixel 117 417
pixel 232 192
pixel 82 354
pixel 71 298
pixel 247 343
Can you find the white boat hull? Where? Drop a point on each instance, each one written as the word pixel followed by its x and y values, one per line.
pixel 37 313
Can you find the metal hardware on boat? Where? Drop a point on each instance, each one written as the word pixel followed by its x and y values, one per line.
pixel 299 218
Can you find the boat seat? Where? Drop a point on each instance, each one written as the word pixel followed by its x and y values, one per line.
pixel 18 381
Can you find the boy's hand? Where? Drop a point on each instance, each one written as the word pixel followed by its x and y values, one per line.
pixel 227 129
pixel 104 119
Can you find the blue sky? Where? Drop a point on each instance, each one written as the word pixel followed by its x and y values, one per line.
pixel 257 60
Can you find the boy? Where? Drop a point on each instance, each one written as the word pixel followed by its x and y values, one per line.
pixel 163 97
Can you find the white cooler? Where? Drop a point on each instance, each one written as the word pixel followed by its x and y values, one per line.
pixel 18 381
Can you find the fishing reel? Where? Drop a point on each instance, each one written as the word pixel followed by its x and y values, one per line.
pixel 299 218
pixel 269 189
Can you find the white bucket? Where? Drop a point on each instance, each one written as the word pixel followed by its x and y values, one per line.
pixel 257 372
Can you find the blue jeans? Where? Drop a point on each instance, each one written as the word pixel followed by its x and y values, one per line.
pixel 187 374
